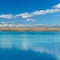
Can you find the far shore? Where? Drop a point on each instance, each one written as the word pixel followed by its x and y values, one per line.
pixel 30 29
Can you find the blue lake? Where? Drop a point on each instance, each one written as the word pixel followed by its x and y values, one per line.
pixel 29 45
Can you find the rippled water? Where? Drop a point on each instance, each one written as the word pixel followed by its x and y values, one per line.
pixel 48 42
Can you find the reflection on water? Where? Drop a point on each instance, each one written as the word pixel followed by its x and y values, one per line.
pixel 48 42
pixel 19 54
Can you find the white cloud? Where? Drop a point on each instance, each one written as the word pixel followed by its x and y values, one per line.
pixel 3 24
pixel 38 12
pixel 6 24
pixel 8 16
pixel 57 6
pixel 32 20
pixel 54 9
pixel 47 11
pixel 26 15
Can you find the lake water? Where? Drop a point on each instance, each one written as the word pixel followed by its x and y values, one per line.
pixel 42 42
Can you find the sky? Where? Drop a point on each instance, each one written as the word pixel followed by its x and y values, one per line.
pixel 44 12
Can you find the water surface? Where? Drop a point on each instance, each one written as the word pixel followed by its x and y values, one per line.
pixel 44 42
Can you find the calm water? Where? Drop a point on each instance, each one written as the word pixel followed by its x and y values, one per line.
pixel 43 42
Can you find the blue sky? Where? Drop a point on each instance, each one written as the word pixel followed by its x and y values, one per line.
pixel 45 12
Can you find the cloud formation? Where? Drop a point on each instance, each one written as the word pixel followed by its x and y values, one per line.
pixel 31 20
pixel 38 12
pixel 54 9
pixel 8 16
pixel 24 15
pixel 57 6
